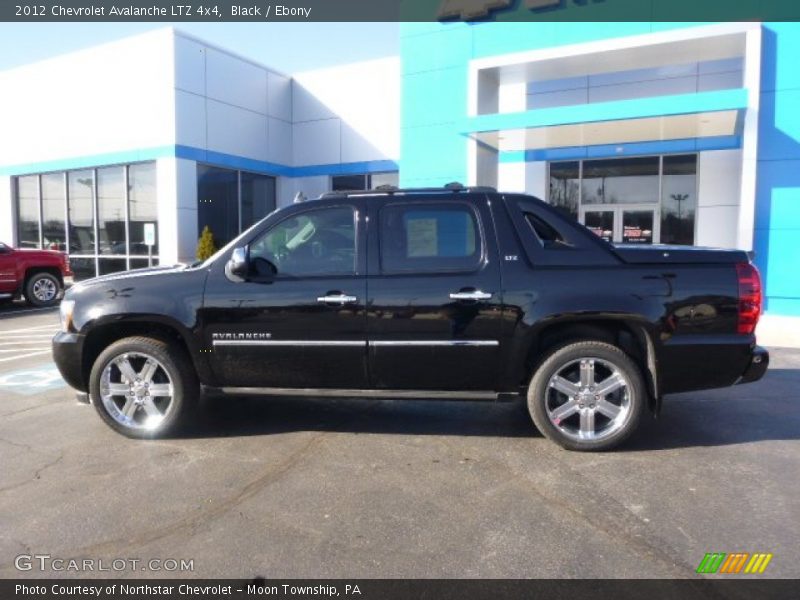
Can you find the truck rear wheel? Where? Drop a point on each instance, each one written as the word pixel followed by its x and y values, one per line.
pixel 42 289
pixel 143 387
pixel 587 396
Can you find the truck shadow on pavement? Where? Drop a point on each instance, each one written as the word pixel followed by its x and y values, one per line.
pixel 764 411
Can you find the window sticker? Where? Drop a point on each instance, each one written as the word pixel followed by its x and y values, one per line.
pixel 421 238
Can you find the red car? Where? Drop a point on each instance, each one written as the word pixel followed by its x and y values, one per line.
pixel 39 275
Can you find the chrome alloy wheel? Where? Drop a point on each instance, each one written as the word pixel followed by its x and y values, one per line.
pixel 588 399
pixel 44 289
pixel 136 391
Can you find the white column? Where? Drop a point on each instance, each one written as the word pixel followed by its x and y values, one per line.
pixel 177 209
pixel 752 83
pixel 512 97
pixel 8 233
pixel 536 182
pixel 718 193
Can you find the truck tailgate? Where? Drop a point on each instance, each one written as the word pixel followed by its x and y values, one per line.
pixel 639 254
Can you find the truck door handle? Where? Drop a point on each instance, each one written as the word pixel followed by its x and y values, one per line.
pixel 472 295
pixel 337 299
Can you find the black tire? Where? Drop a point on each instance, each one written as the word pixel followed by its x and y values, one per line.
pixel 591 354
pixel 42 290
pixel 173 366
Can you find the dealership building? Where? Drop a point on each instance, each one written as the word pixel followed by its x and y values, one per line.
pixel 646 132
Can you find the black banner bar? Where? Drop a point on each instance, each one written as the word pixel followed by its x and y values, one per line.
pixel 397 10
pixel 396 589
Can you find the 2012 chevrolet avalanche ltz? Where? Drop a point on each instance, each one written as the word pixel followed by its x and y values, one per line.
pixel 455 291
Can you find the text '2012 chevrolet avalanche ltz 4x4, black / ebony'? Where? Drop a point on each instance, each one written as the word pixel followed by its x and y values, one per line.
pixel 462 292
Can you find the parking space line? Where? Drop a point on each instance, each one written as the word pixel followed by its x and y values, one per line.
pixel 25 355
pixel 27 329
pixel 11 314
pixel 17 336
pixel 21 343
pixel 7 350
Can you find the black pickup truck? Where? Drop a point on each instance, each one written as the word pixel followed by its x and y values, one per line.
pixel 449 292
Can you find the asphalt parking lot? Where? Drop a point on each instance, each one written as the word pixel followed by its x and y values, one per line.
pixel 292 487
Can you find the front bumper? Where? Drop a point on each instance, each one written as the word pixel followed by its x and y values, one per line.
pixel 68 356
pixel 757 367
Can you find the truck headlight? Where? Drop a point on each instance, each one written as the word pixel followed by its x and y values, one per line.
pixel 65 314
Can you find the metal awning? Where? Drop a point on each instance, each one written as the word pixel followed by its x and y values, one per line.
pixel 663 118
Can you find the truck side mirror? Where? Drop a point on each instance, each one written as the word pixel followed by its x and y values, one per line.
pixel 238 265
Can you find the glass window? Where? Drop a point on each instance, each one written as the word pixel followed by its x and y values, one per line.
pixel 142 206
pixel 142 263
pixel 620 181
pixel 111 210
pixel 258 197
pixel 349 183
pixel 83 268
pixel 317 242
pixel 380 179
pixel 565 187
pixel 679 199
pixel 28 211
pixel 81 212
pixel 112 265
pixel 54 233
pixel 218 203
pixel 431 237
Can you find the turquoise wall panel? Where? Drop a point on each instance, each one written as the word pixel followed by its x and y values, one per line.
pixel 446 48
pixel 434 97
pixel 782 74
pixel 777 233
pixel 433 152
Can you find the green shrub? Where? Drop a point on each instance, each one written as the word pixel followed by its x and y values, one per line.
pixel 206 246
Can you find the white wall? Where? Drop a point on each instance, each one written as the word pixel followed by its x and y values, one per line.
pixel 719 175
pixel 230 104
pixel 536 182
pixel 7 233
pixel 668 79
pixel 109 98
pixel 348 113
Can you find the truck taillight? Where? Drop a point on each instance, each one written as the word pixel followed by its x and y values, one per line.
pixel 749 297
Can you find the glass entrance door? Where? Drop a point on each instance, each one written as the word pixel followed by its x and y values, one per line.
pixel 601 222
pixel 623 224
pixel 638 226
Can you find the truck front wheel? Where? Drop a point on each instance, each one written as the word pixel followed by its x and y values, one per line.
pixel 42 289
pixel 587 396
pixel 143 387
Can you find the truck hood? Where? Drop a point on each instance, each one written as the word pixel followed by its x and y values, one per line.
pixel 134 274
pixel 663 254
pixel 34 253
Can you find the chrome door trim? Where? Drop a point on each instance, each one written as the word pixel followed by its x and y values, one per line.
pixel 478 343
pixel 385 343
pixel 361 343
pixel 362 393
pixel 476 295
pixel 338 299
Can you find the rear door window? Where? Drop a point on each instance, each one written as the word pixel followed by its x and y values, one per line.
pixel 430 237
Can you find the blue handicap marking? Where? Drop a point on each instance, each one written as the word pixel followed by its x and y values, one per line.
pixel 30 382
